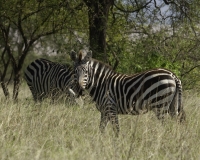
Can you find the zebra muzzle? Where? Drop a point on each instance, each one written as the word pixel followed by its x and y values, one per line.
pixel 72 92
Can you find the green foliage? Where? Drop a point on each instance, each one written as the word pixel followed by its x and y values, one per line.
pixel 176 50
pixel 30 25
pixel 145 39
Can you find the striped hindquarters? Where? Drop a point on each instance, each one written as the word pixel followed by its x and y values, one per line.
pixel 46 78
pixel 151 89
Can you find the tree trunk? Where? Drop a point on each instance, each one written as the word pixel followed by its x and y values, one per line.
pixel 3 75
pixel 5 89
pixel 98 15
pixel 16 83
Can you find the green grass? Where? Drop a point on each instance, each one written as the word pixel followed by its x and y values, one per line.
pixel 65 132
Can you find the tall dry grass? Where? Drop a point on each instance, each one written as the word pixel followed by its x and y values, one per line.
pixel 68 132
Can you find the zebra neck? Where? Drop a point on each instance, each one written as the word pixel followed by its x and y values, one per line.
pixel 98 76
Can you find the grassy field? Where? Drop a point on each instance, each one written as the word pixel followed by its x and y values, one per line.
pixel 61 131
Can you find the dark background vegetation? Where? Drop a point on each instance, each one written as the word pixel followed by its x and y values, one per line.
pixel 130 35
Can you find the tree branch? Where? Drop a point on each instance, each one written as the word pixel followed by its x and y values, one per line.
pixel 116 60
pixel 5 33
pixel 190 70
pixel 21 29
pixel 135 10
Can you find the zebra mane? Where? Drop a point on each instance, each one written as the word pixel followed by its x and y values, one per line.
pixel 102 64
pixel 107 66
pixel 154 69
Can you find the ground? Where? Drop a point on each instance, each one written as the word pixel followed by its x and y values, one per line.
pixel 64 131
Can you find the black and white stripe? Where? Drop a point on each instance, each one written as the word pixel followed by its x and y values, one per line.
pixel 46 78
pixel 158 90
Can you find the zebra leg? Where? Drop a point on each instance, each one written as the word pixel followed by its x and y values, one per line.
pixel 115 124
pixel 160 113
pixel 34 93
pixel 104 122
pixel 112 116
pixel 36 97
pixel 181 116
pixel 105 118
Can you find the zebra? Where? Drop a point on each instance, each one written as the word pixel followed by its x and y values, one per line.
pixel 46 78
pixel 158 90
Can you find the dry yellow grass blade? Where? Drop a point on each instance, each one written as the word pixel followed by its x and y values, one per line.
pixel 63 131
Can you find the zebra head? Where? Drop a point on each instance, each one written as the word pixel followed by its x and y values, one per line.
pixel 82 67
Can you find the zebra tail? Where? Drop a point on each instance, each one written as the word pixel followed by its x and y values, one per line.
pixel 176 107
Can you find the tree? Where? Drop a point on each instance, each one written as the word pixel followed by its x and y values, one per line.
pixel 164 34
pixel 146 34
pixel 137 34
pixel 4 66
pixel 98 12
pixel 22 24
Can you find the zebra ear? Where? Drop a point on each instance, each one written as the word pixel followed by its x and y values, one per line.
pixel 73 55
pixel 89 54
pixel 81 54
pixel 84 55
